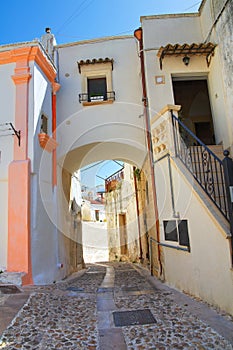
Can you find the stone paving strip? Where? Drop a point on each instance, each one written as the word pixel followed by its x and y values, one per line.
pixel 175 327
pixel 61 316
pixel 90 311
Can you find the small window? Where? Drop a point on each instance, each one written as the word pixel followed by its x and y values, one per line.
pixel 44 124
pixel 170 230
pixel 97 89
pixel 176 231
pixel 183 232
pixel 96 81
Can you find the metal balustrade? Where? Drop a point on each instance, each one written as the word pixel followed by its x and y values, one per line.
pixel 86 97
pixel 204 165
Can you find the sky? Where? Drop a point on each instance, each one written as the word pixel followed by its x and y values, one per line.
pixel 74 20
pixel 94 174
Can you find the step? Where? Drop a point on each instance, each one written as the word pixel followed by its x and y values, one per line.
pixel 11 278
pixel 216 149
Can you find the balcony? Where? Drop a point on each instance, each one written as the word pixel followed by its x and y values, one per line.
pixel 112 181
pixel 87 99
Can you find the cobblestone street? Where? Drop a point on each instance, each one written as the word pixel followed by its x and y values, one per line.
pixel 113 306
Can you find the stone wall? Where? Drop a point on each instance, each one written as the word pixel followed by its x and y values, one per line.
pixel 121 205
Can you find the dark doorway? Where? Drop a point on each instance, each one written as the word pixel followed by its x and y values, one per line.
pixel 195 112
pixel 203 132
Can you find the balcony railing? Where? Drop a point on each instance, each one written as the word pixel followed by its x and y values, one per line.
pixel 112 181
pixel 204 165
pixel 108 96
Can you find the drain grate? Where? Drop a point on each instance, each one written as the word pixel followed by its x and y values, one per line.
pixel 75 289
pixel 9 289
pixel 133 318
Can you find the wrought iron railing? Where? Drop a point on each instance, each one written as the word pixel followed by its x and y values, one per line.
pixel 204 165
pixel 108 96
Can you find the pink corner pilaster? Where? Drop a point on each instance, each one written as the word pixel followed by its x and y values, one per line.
pixel 19 244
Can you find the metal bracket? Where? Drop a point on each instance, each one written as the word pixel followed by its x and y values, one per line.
pixel 17 133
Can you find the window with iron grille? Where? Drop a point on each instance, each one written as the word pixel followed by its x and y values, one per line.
pixel 96 81
pixel 97 89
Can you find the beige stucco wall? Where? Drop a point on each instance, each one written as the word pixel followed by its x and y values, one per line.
pixel 217 26
pixel 206 271
pixel 147 217
pixel 123 201
pixel 196 28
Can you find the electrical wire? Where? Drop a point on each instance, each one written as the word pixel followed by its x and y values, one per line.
pixel 189 8
pixel 92 166
pixel 71 16
pixel 77 12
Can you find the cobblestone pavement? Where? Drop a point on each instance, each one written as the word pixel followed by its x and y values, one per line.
pixel 85 312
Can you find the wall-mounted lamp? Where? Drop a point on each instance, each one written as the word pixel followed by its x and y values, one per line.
pixel 186 60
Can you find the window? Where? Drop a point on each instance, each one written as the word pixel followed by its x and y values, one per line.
pixel 183 233
pixel 170 231
pixel 96 81
pixel 97 89
pixel 176 231
pixel 44 124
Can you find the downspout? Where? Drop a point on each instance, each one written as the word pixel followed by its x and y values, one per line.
pixel 137 207
pixel 138 34
pixel 55 89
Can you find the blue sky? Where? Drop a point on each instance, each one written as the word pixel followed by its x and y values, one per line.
pixel 91 174
pixel 74 20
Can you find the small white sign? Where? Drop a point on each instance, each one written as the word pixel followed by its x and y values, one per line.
pixel 160 79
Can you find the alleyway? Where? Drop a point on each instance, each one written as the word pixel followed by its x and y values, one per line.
pixel 95 241
pixel 112 306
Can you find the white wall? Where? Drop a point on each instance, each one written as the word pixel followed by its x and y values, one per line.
pixel 7 101
pixel 170 29
pixel 116 123
pixel 44 243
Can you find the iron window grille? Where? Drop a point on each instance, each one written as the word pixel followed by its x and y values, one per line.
pixel 86 97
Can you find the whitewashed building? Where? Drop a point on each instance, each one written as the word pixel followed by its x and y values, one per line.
pixel 133 98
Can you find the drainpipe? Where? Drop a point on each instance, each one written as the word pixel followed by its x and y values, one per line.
pixel 137 207
pixel 138 34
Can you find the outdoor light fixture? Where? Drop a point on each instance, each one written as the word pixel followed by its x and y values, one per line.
pixel 186 60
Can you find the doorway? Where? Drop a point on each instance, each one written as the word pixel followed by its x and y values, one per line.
pixel 195 113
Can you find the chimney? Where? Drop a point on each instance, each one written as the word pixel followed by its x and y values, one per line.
pixel 48 41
